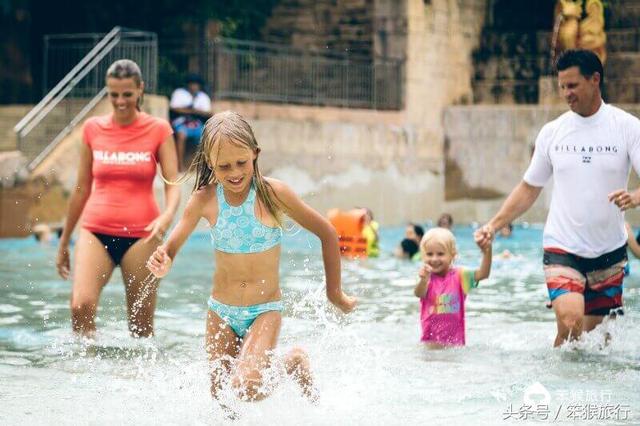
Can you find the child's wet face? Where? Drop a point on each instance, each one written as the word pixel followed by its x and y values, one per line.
pixel 436 255
pixel 233 165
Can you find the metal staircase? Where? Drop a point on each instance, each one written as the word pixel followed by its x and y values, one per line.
pixel 83 85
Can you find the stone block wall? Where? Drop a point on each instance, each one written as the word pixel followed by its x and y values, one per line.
pixel 9 117
pixel 390 29
pixel 335 157
pixel 515 53
pixel 336 25
pixel 332 157
pixel 442 35
pixel 623 13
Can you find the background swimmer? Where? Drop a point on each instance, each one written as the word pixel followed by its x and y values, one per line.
pixel 445 221
pixel 407 249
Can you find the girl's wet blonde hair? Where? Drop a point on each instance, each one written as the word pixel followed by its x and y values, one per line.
pixel 232 127
pixel 442 236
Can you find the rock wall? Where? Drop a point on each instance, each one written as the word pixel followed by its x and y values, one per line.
pixel 413 164
pixel 390 29
pixel 441 37
pixel 9 117
pixel 515 52
pixel 336 25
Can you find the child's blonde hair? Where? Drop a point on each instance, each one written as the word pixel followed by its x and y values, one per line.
pixel 232 127
pixel 442 236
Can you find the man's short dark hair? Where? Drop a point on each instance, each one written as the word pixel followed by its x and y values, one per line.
pixel 587 61
pixel 419 230
pixel 194 78
pixel 409 246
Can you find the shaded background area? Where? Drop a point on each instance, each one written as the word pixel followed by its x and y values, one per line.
pixel 25 22
pixel 443 90
pixel 186 27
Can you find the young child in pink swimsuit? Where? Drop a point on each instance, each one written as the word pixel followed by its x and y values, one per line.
pixel 443 287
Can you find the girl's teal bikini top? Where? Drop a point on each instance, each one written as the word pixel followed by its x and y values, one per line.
pixel 237 229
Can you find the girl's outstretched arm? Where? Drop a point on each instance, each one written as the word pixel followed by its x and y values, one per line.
pixel 160 261
pixel 313 221
pixel 485 266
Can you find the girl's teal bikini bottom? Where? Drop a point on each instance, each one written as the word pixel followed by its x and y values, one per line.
pixel 240 318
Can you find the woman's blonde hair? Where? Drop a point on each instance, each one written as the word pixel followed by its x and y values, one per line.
pixel 126 68
pixel 232 127
pixel 442 236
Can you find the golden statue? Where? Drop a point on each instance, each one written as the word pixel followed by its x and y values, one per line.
pixel 568 14
pixel 592 35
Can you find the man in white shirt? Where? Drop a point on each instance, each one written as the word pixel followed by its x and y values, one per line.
pixel 190 108
pixel 589 151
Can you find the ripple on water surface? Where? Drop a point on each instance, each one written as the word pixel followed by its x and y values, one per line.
pixel 369 366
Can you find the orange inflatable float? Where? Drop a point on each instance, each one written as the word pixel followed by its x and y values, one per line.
pixel 349 226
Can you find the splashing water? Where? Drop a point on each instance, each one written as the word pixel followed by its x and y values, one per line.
pixel 148 286
pixel 291 227
pixel 369 367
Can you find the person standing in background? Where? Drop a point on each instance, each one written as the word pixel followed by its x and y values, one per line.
pixel 189 107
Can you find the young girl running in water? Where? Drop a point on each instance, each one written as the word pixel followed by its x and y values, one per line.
pixel 442 288
pixel 245 212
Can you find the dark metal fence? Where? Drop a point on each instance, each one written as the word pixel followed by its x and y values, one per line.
pixel 62 52
pixel 257 71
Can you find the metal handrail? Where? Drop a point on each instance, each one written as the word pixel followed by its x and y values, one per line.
pixel 129 31
pixel 67 79
pixel 81 88
pixel 63 92
pixel 90 105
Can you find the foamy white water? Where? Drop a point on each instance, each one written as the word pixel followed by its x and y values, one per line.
pixel 369 367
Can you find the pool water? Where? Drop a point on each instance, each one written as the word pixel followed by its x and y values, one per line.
pixel 370 367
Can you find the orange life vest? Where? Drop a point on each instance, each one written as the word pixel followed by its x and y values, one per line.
pixel 348 225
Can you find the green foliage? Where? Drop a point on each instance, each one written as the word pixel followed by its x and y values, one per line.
pixel 238 18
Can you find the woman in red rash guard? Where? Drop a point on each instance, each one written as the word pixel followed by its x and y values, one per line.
pixel 121 222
